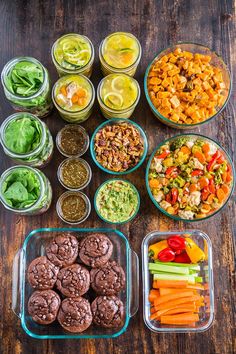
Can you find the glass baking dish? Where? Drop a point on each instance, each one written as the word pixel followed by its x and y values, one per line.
pixel 207 313
pixel 34 246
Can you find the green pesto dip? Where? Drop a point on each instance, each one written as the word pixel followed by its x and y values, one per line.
pixel 117 201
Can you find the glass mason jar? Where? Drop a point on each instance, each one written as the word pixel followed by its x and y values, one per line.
pixel 15 88
pixel 73 54
pixel 120 52
pixel 38 154
pixel 118 95
pixel 73 96
pixel 34 182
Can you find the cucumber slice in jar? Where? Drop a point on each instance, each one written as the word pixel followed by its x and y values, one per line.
pixel 113 100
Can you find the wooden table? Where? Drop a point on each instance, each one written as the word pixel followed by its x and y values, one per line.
pixel 30 28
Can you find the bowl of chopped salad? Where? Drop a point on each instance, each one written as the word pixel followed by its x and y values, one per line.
pixel 187 85
pixel 190 177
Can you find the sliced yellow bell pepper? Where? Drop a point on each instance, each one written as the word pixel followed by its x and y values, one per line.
pixel 195 253
pixel 156 248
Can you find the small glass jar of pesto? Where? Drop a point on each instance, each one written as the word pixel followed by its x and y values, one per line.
pixel 120 52
pixel 27 86
pixel 118 95
pixel 25 190
pixel 26 139
pixel 73 96
pixel 73 54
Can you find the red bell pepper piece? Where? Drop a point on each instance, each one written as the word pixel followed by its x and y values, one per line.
pixel 176 243
pixel 172 171
pixel 163 155
pixel 182 258
pixel 197 173
pixel 166 255
pixel 213 160
pixel 172 196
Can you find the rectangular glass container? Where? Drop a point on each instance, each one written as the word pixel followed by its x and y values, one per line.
pixel 206 314
pixel 34 246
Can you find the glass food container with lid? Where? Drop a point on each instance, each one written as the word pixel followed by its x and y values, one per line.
pixel 73 96
pixel 118 95
pixel 26 139
pixel 25 190
pixel 206 312
pixel 26 84
pixel 73 54
pixel 34 246
pixel 120 52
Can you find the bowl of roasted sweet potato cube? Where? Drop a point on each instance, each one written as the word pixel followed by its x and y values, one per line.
pixel 187 85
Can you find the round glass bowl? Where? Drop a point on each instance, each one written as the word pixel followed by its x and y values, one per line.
pixel 216 61
pixel 112 204
pixel 68 163
pixel 205 186
pixel 66 197
pixel 77 139
pixel 114 95
pixel 108 124
pixel 36 185
pixel 28 70
pixel 16 130
pixel 120 45
pixel 66 47
pixel 73 85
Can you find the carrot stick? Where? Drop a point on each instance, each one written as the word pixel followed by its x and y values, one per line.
pixel 166 291
pixel 170 284
pixel 170 297
pixel 176 302
pixel 196 286
pixel 181 319
pixel 179 309
pixel 153 295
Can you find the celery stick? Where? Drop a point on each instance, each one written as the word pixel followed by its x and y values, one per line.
pixel 168 276
pixel 198 279
pixel 167 268
pixel 189 265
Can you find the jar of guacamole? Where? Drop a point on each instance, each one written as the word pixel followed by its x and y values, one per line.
pixel 120 52
pixel 73 96
pixel 73 54
pixel 27 86
pixel 117 201
pixel 26 139
pixel 25 190
pixel 118 95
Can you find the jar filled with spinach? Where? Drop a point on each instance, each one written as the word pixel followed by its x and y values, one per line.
pixel 27 87
pixel 26 139
pixel 25 190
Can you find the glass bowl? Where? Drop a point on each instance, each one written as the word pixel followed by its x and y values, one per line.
pixel 34 246
pixel 226 156
pixel 86 166
pixel 216 61
pixel 112 122
pixel 117 222
pixel 79 129
pixel 206 272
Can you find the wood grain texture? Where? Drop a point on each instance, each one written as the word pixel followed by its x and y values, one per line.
pixel 30 28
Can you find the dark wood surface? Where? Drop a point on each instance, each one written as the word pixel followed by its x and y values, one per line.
pixel 30 28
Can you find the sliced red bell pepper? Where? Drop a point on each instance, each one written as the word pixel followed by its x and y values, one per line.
pixel 197 173
pixel 163 155
pixel 182 258
pixel 172 171
pixel 213 160
pixel 172 196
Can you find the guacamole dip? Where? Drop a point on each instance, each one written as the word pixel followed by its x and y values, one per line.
pixel 117 201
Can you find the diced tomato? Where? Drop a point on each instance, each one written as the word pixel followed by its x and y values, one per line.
pixel 163 155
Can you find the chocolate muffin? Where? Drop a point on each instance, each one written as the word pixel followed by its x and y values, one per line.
pixel 108 280
pixel 73 281
pixel 63 250
pixel 43 306
pixel 42 274
pixel 95 250
pixel 75 314
pixel 108 311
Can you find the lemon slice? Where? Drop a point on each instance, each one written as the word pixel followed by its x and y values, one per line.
pixel 118 83
pixel 113 100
